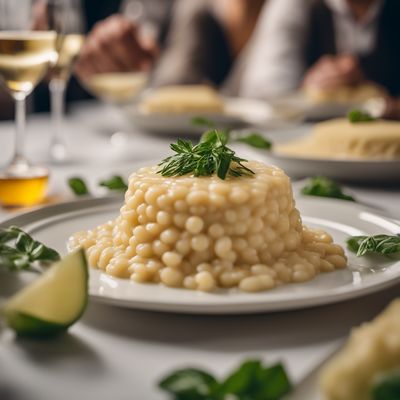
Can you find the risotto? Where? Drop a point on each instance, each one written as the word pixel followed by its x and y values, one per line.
pixel 203 233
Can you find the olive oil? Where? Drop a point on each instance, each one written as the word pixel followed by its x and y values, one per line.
pixel 23 191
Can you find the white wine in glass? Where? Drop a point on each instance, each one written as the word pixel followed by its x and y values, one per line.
pixel 68 47
pixel 117 87
pixel 67 20
pixel 25 56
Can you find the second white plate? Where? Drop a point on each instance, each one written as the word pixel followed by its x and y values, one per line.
pixel 53 225
pixel 351 170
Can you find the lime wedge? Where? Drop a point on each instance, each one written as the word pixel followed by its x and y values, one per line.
pixel 53 302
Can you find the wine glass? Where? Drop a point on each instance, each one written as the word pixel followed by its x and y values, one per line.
pixel 122 87
pixel 65 17
pixel 27 49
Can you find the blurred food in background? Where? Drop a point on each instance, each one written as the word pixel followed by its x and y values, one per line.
pixel 182 99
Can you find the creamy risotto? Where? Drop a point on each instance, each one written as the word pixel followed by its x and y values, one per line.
pixel 204 232
pixel 372 350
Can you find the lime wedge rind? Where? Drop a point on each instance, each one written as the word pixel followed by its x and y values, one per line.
pixel 52 303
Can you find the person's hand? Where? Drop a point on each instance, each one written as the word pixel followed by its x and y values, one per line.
pixel 113 46
pixel 333 71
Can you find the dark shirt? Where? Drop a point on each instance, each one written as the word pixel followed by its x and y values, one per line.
pixel 382 64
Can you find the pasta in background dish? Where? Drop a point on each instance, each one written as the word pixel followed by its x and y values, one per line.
pixel 340 138
pixel 182 99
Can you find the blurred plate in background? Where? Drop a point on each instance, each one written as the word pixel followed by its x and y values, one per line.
pixel 314 111
pixel 351 170
pixel 239 113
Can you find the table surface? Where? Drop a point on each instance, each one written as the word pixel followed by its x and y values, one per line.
pixel 121 354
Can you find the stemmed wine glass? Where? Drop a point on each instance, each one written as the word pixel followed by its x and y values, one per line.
pixel 27 49
pixel 65 17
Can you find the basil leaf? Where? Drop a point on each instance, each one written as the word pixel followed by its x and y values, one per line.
pixel 244 380
pixel 48 255
pixel 9 234
pixel 78 186
pixel 202 122
pixel 189 384
pixel 24 243
pixel 274 383
pixel 251 381
pixel 116 182
pixel 255 140
pixel 355 116
pixel 18 250
pixel 324 187
pixel 387 387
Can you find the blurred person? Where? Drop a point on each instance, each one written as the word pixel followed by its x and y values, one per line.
pixel 325 44
pixel 207 41
pixel 156 12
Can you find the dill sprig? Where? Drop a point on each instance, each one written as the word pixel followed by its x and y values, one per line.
pixel 211 155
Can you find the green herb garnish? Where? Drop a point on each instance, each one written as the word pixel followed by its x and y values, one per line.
pixel 209 156
pixel 324 187
pixel 78 186
pixel 379 244
pixel 19 251
pixel 251 381
pixel 255 140
pixel 116 182
pixel 202 122
pixel 387 387
pixel 355 116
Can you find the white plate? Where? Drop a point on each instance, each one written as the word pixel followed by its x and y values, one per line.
pixel 344 170
pixel 314 111
pixel 53 225
pixel 239 113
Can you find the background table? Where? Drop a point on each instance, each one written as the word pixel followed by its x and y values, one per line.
pixel 120 354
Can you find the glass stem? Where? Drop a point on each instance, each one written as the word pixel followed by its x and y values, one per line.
pixel 57 91
pixel 20 120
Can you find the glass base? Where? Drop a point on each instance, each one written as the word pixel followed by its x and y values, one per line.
pixel 58 152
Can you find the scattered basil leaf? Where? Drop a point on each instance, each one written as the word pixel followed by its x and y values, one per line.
pixel 202 122
pixel 387 387
pixel 355 116
pixel 324 187
pixel 78 186
pixel 19 251
pixel 116 182
pixel 380 244
pixel 255 140
pixel 211 155
pixel 251 381
pixel 189 384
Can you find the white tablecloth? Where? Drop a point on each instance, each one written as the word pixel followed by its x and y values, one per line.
pixel 120 354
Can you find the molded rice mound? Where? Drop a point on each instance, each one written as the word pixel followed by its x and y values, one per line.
pixel 203 233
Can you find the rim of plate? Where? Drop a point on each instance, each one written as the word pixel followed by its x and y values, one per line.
pixel 272 154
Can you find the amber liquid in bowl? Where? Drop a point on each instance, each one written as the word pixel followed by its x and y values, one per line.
pixel 24 190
